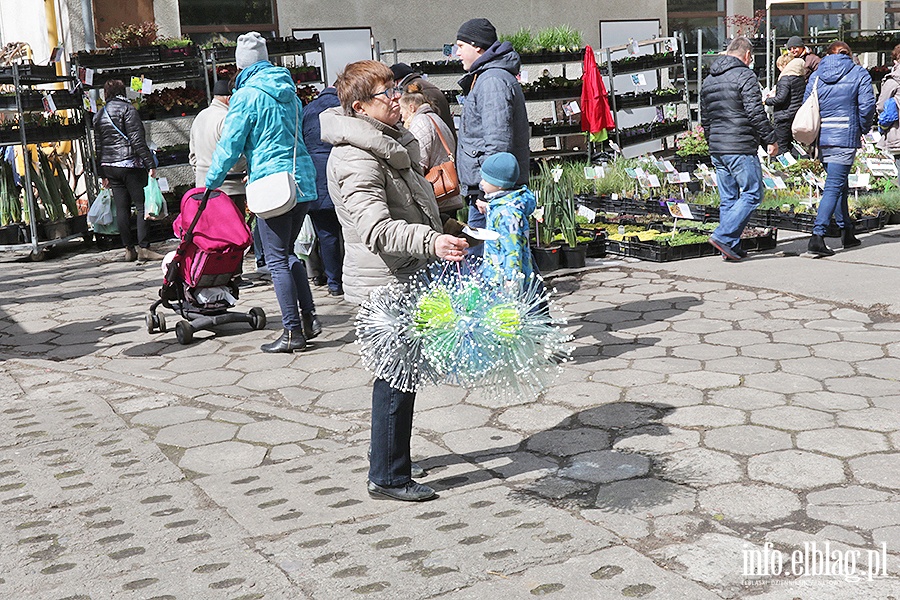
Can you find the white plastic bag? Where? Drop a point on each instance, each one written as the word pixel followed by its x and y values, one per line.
pixel 101 210
pixel 306 240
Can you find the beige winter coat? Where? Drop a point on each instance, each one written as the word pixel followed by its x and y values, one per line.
pixel 386 208
pixel 890 87
pixel 423 125
pixel 205 133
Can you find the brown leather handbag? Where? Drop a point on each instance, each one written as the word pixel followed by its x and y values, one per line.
pixel 443 177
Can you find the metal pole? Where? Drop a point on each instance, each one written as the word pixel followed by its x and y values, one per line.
pixel 26 162
pixel 612 96
pixel 396 53
pixel 87 16
pixel 699 68
pixel 769 35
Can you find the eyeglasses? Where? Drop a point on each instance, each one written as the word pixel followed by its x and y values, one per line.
pixel 390 93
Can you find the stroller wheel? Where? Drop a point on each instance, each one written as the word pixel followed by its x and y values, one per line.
pixel 161 323
pixel 151 322
pixel 257 318
pixel 184 332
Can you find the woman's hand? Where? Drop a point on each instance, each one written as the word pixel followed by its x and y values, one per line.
pixel 482 206
pixel 449 247
pixel 104 183
pixel 152 173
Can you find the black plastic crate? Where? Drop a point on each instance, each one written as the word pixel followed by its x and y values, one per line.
pixel 659 252
pixel 765 242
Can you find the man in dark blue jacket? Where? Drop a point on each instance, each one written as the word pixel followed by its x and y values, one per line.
pixel 321 211
pixel 735 124
pixel 494 119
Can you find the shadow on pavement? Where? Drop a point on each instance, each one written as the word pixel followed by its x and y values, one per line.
pixel 590 459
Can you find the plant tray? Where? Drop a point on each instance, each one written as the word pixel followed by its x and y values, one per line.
pixel 659 252
pixel 554 93
pixel 654 133
pixel 10 234
pixel 552 129
pixel 547 56
pixel 805 222
pixel 160 73
pixel 764 242
pixel 452 67
pixel 34 101
pixel 181 53
pixel 29 74
pixel 41 134
pixel 113 57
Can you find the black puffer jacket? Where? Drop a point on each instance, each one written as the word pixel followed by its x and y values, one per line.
pixel 731 109
pixel 112 146
pixel 788 97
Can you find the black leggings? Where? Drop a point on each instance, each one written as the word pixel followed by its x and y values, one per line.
pixel 127 187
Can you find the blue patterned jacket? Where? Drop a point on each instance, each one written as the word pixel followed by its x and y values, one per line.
pixel 508 215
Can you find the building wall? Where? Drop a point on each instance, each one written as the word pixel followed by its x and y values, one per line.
pixel 431 24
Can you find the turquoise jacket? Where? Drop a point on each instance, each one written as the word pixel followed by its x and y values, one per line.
pixel 509 255
pixel 261 122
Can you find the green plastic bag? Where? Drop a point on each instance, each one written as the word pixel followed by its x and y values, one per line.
pixel 155 207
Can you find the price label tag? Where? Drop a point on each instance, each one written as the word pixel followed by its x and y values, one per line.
pixel 665 166
pixel 163 184
pixel 557 174
pixel 538 214
pixel 523 76
pixel 147 87
pixel 633 47
pixel 678 177
pixel 615 147
pixel 88 78
pixel 589 173
pixel 858 180
pixel 137 84
pixel 638 80
pixel 787 159
pixel 679 210
pixel 49 104
pixel 599 171
pixel 587 213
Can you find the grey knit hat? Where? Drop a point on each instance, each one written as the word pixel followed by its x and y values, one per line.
pixel 251 48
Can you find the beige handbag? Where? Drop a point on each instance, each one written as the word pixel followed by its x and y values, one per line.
pixel 808 120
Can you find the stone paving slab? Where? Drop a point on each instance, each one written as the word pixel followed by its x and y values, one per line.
pixel 431 548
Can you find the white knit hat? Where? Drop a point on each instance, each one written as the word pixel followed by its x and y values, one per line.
pixel 251 48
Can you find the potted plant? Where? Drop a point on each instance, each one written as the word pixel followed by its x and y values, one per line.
pixel 691 148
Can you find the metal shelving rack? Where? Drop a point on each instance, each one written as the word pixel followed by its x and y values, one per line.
pixel 20 82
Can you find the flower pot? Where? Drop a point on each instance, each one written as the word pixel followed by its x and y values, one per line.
pixel 545 259
pixel 893 218
pixel 572 258
pixel 9 234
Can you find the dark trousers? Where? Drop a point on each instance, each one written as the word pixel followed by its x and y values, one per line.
pixel 392 414
pixel 278 235
pixel 127 187
pixel 476 220
pixel 331 245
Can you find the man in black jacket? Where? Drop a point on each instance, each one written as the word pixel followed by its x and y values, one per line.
pixel 735 124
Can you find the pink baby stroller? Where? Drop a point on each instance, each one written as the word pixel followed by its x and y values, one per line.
pixel 199 282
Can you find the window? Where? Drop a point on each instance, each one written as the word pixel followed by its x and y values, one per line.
pixel 204 19
pixel 798 19
pixel 892 15
pixel 706 15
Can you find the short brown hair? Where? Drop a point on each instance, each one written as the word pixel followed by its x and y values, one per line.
pixel 113 88
pixel 357 82
pixel 839 47
pixel 895 53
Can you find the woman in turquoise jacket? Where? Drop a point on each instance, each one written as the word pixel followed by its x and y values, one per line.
pixel 263 124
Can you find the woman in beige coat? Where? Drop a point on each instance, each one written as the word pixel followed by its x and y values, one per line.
pixel 391 229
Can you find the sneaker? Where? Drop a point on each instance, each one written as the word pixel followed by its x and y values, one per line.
pixel 411 492
pixel 727 251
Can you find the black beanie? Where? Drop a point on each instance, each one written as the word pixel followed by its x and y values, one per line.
pixel 221 88
pixel 478 32
pixel 401 70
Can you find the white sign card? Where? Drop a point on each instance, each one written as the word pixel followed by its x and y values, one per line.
pixel 88 77
pixel 882 166
pixel 665 166
pixel 49 104
pixel 147 87
pixel 787 159
pixel 709 178
pixel 572 108
pixel 587 213
pixel 523 76
pixel 538 214
pixel 679 210
pixel 649 180
pixel 599 171
pixel 638 80
pixel 678 177
pixel 615 147
pixel 163 184
pixel 557 173
pixel 813 180
pixel 633 47
pixel 590 173
pixel 858 180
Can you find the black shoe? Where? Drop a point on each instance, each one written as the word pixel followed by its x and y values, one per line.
pixel 727 251
pixel 337 292
pixel 320 280
pixel 290 341
pixel 411 492
pixel 818 247
pixel 311 326
pixel 848 239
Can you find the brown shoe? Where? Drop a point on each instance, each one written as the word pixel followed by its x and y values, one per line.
pixel 148 254
pixel 130 255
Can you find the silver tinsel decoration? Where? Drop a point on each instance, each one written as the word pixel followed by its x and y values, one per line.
pixel 451 325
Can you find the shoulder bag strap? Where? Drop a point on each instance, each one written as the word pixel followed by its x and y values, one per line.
pixel 113 123
pixel 443 141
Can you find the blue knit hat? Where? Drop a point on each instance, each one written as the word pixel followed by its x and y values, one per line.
pixel 501 170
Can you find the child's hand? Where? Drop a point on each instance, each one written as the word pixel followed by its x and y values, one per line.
pixel 482 206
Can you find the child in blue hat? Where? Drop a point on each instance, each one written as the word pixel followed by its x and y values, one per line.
pixel 507 208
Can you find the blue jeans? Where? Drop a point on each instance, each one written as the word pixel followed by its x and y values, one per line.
pixel 834 199
pixel 278 235
pixel 392 414
pixel 258 251
pixel 740 191
pixel 476 219
pixel 331 245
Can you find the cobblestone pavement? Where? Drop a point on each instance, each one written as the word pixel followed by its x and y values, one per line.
pixel 699 421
